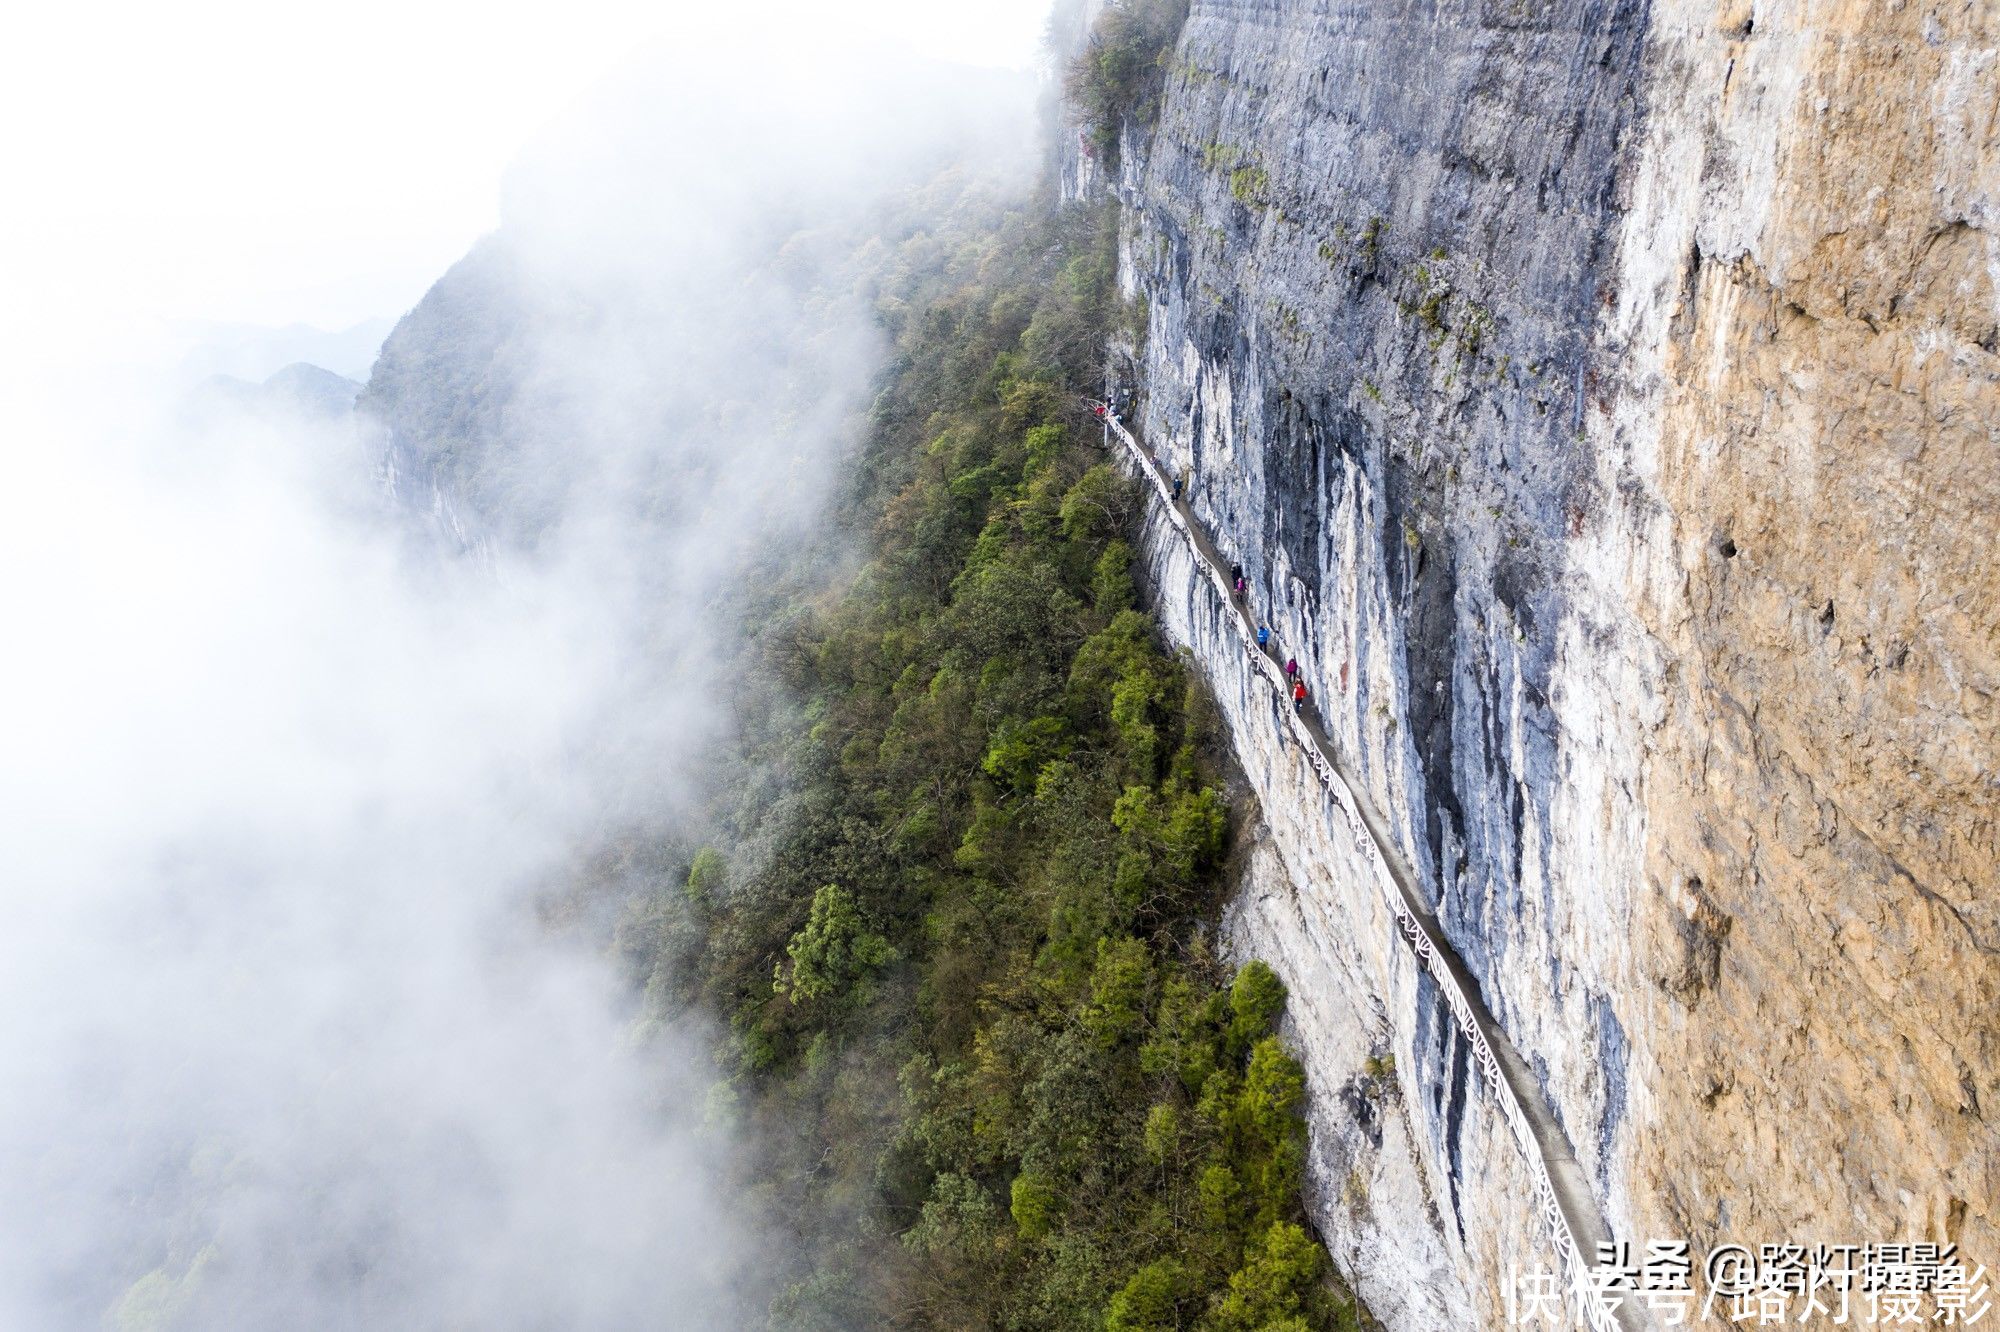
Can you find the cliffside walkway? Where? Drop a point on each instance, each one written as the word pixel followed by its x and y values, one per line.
pixel 1564 1199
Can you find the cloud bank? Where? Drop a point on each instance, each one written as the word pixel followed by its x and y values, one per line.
pixel 286 1042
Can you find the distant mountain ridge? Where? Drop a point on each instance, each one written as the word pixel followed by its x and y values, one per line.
pixel 300 389
pixel 255 352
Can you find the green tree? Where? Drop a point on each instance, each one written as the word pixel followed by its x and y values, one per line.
pixel 1045 445
pixel 1032 1205
pixel 1268 1128
pixel 1256 998
pixel 1111 587
pixel 706 875
pixel 1099 504
pixel 1150 1300
pixel 1276 1282
pixel 1118 986
pixel 1020 749
pixel 833 951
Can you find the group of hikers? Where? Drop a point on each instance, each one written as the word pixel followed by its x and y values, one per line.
pixel 1108 411
pixel 1113 407
pixel 1293 676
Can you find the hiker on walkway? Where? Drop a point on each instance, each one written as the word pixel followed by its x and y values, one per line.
pixel 1239 587
pixel 1179 481
pixel 1291 666
pixel 1263 635
pixel 1299 697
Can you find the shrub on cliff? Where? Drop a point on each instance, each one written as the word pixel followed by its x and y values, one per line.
pixel 1122 70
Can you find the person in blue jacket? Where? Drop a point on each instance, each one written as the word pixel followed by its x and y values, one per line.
pixel 1263 635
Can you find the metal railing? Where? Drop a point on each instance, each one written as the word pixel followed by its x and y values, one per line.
pixel 1600 1312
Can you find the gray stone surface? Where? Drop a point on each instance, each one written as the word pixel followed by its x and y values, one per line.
pixel 1371 240
pixel 1598 398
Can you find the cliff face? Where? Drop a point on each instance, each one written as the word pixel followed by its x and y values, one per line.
pixel 1598 398
pixel 1807 287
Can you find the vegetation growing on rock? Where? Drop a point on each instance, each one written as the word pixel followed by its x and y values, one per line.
pixel 976 1021
pixel 1121 73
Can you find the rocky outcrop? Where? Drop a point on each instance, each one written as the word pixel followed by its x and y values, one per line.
pixel 1598 398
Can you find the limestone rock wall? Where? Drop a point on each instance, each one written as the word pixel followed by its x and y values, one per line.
pixel 1807 288
pixel 1403 1190
pixel 1599 398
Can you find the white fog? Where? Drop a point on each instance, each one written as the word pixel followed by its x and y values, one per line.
pixel 293 749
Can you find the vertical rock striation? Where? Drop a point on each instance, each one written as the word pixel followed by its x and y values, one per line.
pixel 1598 397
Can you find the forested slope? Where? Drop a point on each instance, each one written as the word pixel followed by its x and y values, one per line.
pixel 956 904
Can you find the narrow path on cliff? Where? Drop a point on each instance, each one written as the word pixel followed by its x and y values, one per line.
pixel 1566 1203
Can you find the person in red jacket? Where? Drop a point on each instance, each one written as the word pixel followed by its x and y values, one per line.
pixel 1299 696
